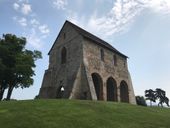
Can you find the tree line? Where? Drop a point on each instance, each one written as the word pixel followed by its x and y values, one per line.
pixel 157 94
pixel 16 64
pixel 153 96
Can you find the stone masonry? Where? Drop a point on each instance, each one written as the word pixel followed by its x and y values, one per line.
pixel 82 66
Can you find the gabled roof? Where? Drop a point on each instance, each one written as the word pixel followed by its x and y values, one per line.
pixel 94 38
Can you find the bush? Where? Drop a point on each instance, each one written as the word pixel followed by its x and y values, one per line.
pixel 36 97
pixel 140 100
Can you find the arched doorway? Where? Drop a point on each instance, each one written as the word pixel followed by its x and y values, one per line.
pixel 111 89
pixel 124 94
pixel 60 92
pixel 98 85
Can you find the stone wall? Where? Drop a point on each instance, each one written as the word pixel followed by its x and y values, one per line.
pixel 94 64
pixel 82 59
pixel 63 74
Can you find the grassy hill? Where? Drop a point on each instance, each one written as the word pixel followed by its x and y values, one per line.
pixel 80 114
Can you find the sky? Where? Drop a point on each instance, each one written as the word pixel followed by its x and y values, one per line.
pixel 138 28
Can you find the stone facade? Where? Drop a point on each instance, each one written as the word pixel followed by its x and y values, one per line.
pixel 82 66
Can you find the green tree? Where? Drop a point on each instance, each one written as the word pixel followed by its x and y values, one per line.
pixel 1 81
pixel 17 63
pixel 150 95
pixel 4 56
pixel 161 95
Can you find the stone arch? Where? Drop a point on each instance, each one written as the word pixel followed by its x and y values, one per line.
pixel 124 93
pixel 63 55
pixel 98 85
pixel 111 89
pixel 60 92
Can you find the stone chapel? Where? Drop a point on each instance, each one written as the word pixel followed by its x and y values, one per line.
pixel 83 66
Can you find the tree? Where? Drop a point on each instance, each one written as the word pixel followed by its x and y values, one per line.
pixel 2 87
pixel 150 95
pixel 161 95
pixel 16 63
pixel 140 100
pixel 4 56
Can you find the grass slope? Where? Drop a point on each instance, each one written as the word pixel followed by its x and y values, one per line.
pixel 80 114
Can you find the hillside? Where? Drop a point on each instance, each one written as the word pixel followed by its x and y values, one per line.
pixel 80 114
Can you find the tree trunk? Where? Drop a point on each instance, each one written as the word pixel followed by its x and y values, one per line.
pixel 10 89
pixel 1 93
pixel 150 103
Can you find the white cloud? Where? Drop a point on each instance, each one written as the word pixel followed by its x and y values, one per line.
pixel 34 30
pixel 22 21
pixel 116 20
pixel 60 4
pixel 16 6
pixel 23 6
pixel 26 8
pixel 120 16
pixel 44 29
pixel 26 1
pixel 34 22
pixel 157 5
pixel 34 40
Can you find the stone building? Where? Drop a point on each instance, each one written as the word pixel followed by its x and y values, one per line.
pixel 83 66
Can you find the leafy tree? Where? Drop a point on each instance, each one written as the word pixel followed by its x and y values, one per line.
pixel 140 100
pixel 161 95
pixel 3 68
pixel 150 95
pixel 1 81
pixel 16 63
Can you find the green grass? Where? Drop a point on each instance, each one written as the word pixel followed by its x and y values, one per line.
pixel 80 114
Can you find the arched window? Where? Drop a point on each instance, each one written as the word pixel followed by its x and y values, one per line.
pixel 115 60
pixel 98 85
pixel 111 89
pixel 63 55
pixel 124 94
pixel 102 54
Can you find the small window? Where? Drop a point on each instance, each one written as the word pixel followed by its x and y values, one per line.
pixel 63 55
pixel 64 35
pixel 115 60
pixel 124 64
pixel 102 54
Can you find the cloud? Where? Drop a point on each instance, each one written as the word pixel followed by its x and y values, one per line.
pixel 34 40
pixel 34 30
pixel 157 5
pixel 60 4
pixel 34 22
pixel 16 6
pixel 119 18
pixel 22 21
pixel 20 1
pixel 23 6
pixel 44 29
pixel 26 8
